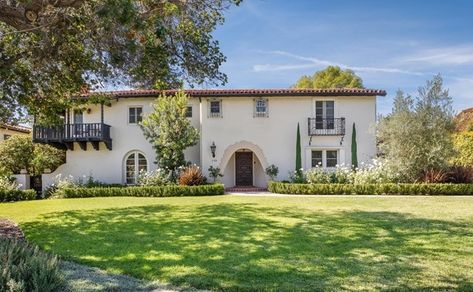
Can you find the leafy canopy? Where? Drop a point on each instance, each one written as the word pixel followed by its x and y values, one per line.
pixel 51 49
pixel 19 152
pixel 330 77
pixel 416 136
pixel 170 131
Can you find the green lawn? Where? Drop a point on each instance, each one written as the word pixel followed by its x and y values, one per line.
pixel 263 243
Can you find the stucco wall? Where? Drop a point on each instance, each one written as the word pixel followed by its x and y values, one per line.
pixel 276 135
pixel 4 132
pixel 272 138
pixel 107 166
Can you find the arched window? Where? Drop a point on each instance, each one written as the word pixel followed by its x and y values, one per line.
pixel 134 163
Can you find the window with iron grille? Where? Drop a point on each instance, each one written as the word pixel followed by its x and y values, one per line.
pixel 261 108
pixel 215 109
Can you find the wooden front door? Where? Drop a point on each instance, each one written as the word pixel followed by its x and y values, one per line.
pixel 243 168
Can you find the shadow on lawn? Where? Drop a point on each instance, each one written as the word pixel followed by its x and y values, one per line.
pixel 247 247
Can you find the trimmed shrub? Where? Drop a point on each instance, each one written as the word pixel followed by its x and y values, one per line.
pixel 16 195
pixel 146 191
pixel 25 268
pixel 373 189
pixel 191 176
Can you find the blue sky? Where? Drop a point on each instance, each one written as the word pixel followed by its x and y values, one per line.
pixel 390 44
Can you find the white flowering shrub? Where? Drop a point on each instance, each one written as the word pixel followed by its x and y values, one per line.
pixel 375 173
pixel 158 177
pixel 343 174
pixel 60 183
pixel 318 175
pixel 6 184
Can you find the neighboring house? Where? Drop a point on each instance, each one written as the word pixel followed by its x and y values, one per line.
pixel 6 131
pixel 242 132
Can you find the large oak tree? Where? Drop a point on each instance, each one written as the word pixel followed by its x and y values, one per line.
pixel 51 49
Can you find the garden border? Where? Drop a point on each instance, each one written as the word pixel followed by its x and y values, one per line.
pixel 372 189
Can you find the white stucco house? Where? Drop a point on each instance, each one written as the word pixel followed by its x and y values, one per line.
pixel 242 131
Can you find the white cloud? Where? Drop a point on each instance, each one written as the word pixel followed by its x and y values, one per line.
pixel 315 62
pixel 457 55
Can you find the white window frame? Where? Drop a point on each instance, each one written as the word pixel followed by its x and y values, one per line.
pixel 324 150
pixel 257 114
pixel 128 114
pixel 136 165
pixel 209 107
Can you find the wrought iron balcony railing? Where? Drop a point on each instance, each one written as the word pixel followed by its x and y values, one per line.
pixel 326 126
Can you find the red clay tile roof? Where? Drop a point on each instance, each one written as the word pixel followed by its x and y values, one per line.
pixel 249 92
pixel 16 128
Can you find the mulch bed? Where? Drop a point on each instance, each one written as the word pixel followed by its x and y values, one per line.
pixel 9 229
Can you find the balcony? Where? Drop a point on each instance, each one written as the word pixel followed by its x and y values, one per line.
pixel 326 126
pixel 64 136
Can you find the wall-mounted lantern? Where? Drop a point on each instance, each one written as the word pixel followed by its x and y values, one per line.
pixel 213 148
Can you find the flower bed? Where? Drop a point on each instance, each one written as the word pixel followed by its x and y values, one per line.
pixel 372 189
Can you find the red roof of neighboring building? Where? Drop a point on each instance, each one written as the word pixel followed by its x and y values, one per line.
pixel 249 92
pixel 16 128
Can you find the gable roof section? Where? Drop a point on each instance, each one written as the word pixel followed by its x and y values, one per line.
pixel 15 128
pixel 290 92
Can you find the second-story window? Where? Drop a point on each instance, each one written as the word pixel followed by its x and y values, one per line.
pixel 324 114
pixel 261 108
pixel 189 112
pixel 215 109
pixel 135 114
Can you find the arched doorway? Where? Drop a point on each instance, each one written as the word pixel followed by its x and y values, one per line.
pixel 243 165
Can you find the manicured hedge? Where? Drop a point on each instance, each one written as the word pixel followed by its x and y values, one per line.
pixel 155 191
pixel 17 195
pixel 372 189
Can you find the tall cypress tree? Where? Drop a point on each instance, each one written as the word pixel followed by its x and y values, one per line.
pixel 298 150
pixel 354 148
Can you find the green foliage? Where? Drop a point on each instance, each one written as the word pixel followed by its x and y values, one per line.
pixel 373 189
pixel 463 145
pixel 416 136
pixel 330 77
pixel 169 131
pixel 146 191
pixel 191 176
pixel 25 268
pixel 298 150
pixel 79 44
pixel 19 152
pixel 272 171
pixel 354 148
pixel 16 195
pixel 214 173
